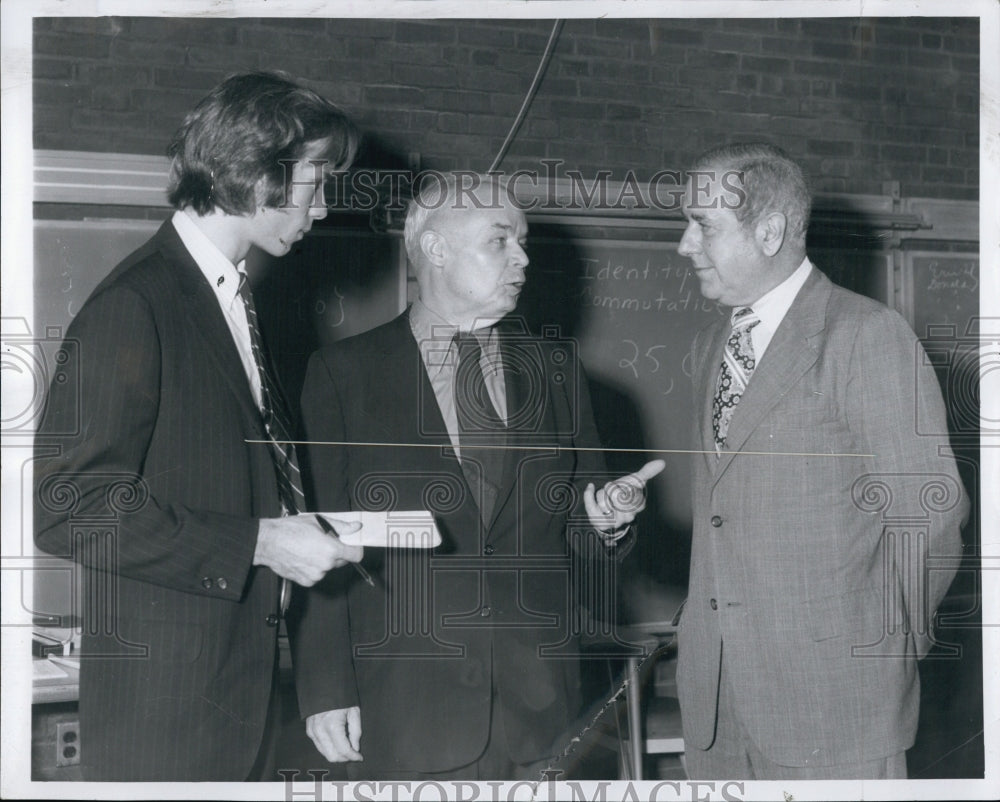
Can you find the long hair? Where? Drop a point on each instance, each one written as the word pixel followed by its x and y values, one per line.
pixel 233 149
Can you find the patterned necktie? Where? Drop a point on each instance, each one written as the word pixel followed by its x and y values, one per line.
pixel 277 425
pixel 480 429
pixel 738 363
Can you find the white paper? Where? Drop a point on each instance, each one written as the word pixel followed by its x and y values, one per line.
pixel 408 529
pixel 44 670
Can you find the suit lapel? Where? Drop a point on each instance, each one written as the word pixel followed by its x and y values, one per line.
pixel 518 391
pixel 406 377
pixel 525 388
pixel 790 354
pixel 402 359
pixel 705 383
pixel 202 307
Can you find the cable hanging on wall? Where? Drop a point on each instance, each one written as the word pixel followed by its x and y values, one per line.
pixel 532 90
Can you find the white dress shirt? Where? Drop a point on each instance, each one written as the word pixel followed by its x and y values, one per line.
pixel 224 277
pixel 772 307
pixel 440 357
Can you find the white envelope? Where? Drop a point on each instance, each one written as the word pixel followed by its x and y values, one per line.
pixel 408 529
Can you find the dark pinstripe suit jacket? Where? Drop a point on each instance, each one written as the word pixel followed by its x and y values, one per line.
pixel 156 492
pixel 491 610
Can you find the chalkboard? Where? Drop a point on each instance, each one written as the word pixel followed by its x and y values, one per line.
pixel 862 270
pixel 632 310
pixel 626 301
pixel 941 299
pixel 943 291
pixel 71 258
pixel 336 283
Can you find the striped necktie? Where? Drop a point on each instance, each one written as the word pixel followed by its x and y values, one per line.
pixel 738 363
pixel 277 424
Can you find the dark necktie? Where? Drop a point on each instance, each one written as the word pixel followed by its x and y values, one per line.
pixel 277 425
pixel 738 363
pixel 481 432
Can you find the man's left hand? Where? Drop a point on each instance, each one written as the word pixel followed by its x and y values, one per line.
pixel 336 733
pixel 617 503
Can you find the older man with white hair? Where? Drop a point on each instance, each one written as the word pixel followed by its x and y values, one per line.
pixel 458 656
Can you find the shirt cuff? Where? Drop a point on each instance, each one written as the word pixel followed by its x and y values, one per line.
pixel 612 536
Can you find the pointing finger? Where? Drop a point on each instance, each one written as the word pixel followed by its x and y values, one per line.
pixel 649 470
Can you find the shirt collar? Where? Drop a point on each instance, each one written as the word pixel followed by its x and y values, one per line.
pixel 223 275
pixel 434 334
pixel 771 307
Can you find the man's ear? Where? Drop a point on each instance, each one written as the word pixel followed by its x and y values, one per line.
pixel 434 247
pixel 770 232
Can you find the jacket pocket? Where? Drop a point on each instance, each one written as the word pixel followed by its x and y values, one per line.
pixel 854 611
pixel 167 641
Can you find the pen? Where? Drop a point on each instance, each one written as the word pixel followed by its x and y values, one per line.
pixel 66 662
pixel 328 528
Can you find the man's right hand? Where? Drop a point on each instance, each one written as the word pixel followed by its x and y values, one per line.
pixel 296 548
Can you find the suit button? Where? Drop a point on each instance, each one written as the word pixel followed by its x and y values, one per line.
pixel 716 521
pixel 489 549
pixel 271 620
pixel 485 612
pixel 713 604
pixel 207 583
pixel 222 583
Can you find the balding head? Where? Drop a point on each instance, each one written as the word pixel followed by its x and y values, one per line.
pixel 444 197
pixel 464 236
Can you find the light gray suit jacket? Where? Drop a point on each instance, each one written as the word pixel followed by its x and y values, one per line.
pixel 812 533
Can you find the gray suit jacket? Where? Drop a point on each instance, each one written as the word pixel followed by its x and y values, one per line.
pixel 811 535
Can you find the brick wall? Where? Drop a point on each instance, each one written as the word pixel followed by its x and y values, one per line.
pixel 858 101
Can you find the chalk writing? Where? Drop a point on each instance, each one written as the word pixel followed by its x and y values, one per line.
pixel 333 312
pixel 608 270
pixel 614 285
pixel 945 291
pixel 644 362
pixel 663 302
pixel 954 276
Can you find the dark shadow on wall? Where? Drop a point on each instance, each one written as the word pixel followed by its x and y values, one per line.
pixel 342 279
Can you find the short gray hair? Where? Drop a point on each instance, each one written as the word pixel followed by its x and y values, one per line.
pixel 455 191
pixel 771 182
